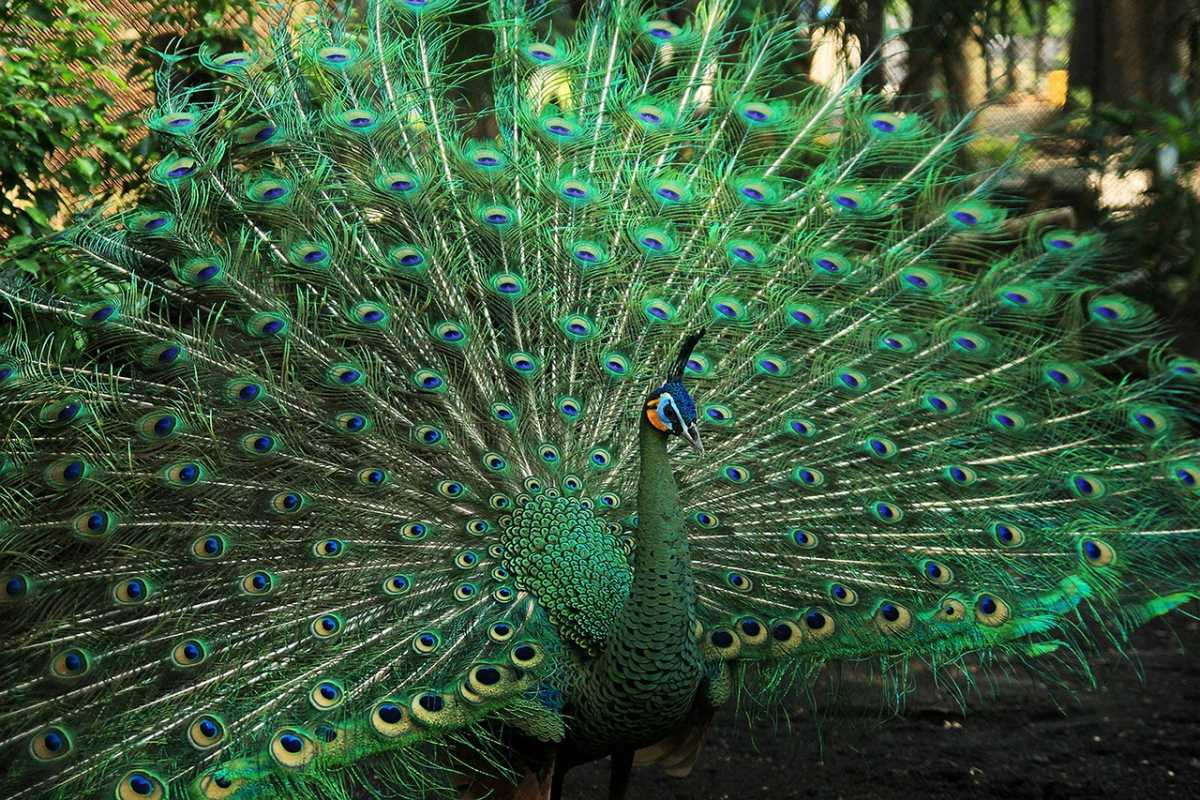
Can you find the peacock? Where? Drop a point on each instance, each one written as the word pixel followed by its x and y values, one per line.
pixel 441 416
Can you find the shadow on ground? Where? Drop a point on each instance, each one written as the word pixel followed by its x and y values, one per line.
pixel 1127 739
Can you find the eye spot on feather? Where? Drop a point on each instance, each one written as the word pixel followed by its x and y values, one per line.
pixel 390 718
pixel 1007 420
pixel 131 591
pixel 991 610
pixel 287 502
pixel 842 595
pixel 526 655
pixel 751 631
pixel 886 512
pixel 892 618
pixel 189 653
pixel 808 477
pixel 397 585
pixel 608 500
pixel 936 572
pixel 326 626
pixel 1006 534
pixel 541 52
pixel 960 475
pixel 771 365
pixel 71 664
pixel 939 403
pixel 1148 421
pixel 1112 310
pixel 615 364
pixel 94 525
pixel 880 447
pixel 417 530
pixel 327 694
pixel 785 635
pixel 884 124
pixel 705 519
pixel 408 260
pixel 1186 474
pixel 426 642
pixel 501 632
pixel 726 308
pixel 1184 368
pixel 267 325
pixel 50 744
pixel 504 413
pixel 64 473
pixel 373 477
pixel 897 343
pixel 292 749
pixel 756 113
pixel 209 547
pixel 259 582
pixel 851 380
pixel 725 643
pixel 951 610
pixel 16 587
pixel 818 623
pixel 141 785
pixel 735 474
pixel 589 254
pixel 1086 487
pixel 803 539
pixel 660 31
pixel 1060 240
pixel 206 732
pixel 739 582
pixel 61 413
pixel 260 444
pixel 799 427
pixel 1096 552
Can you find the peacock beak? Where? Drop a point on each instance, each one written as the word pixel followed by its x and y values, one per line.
pixel 693 436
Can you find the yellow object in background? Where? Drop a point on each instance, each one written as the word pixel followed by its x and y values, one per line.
pixel 1056 87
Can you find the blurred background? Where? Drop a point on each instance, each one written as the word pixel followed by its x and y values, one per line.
pixel 1095 102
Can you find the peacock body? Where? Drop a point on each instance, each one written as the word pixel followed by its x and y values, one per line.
pixel 371 456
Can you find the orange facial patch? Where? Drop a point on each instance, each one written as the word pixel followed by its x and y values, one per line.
pixel 653 417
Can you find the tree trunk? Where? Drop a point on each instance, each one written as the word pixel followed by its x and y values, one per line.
pixel 1125 51
pixel 1039 44
pixel 865 21
pixel 935 42
pixel 1010 49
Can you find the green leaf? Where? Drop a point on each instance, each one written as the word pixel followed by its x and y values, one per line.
pixel 34 213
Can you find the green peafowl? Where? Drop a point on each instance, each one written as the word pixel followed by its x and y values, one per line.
pixel 399 445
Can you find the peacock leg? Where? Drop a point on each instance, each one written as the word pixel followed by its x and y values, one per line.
pixel 618 777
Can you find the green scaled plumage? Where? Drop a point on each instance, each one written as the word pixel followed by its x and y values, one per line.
pixel 345 475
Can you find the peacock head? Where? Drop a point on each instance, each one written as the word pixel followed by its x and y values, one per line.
pixel 670 408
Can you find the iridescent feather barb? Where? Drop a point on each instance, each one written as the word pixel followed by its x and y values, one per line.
pixel 350 468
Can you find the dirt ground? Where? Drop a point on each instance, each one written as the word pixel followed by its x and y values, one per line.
pixel 1126 740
